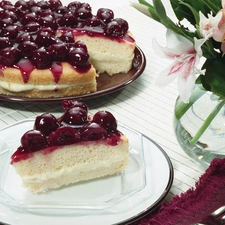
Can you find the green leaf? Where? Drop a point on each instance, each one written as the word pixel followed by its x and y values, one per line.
pixel 183 8
pixel 214 78
pixel 194 12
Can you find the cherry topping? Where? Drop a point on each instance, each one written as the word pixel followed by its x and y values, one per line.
pixel 27 48
pixel 42 58
pixel 10 31
pixel 75 116
pixel 106 119
pixel 6 22
pixel 67 37
pixel 22 4
pixel 46 123
pixel 9 56
pixel 105 15
pixel 29 17
pixel 48 21
pixel 4 42
pixel 67 104
pixel 5 3
pixel 83 13
pixel 59 52
pixel 31 27
pixel 92 131
pixel 24 36
pixel 68 20
pixel 62 10
pixel 43 4
pixel 123 23
pixel 33 140
pixel 113 29
pixel 36 9
pixel 73 6
pixel 80 44
pixel 45 37
pixel 54 4
pixel 79 57
pixel 64 136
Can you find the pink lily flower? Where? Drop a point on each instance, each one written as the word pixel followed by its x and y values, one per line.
pixel 207 26
pixel 219 34
pixel 185 56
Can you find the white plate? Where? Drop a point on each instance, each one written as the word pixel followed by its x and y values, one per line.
pixel 118 199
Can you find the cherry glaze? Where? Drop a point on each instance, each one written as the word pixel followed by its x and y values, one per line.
pixel 74 126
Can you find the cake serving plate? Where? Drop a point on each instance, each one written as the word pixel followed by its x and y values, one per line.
pixel 105 84
pixel 119 199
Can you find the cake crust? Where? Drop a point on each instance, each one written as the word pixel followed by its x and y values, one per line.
pixel 42 84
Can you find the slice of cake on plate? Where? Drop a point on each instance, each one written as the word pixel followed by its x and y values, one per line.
pixel 75 147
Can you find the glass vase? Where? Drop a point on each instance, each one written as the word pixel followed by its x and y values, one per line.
pixel 200 126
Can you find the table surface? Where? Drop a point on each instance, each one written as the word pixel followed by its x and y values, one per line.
pixel 141 105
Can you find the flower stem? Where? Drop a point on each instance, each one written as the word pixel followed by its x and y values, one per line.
pixel 207 122
pixel 181 108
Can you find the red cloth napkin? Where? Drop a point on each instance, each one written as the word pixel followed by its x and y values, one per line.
pixel 196 204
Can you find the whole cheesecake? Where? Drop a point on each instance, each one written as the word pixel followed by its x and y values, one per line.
pixel 51 50
pixel 75 147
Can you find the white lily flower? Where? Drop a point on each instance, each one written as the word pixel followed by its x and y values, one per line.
pixel 207 26
pixel 185 56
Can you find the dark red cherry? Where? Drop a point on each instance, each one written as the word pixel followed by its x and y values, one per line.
pixel 59 51
pixel 43 4
pixel 10 31
pixel 9 56
pixel 22 4
pixel 78 57
pixel 94 22
pixel 64 136
pixel 31 27
pixel 75 116
pixel 45 37
pixel 92 131
pixel 33 140
pixel 67 104
pixel 83 13
pixel 24 36
pixel 4 42
pixel 46 123
pixel 54 4
pixel 29 17
pixel 48 21
pixel 81 44
pixel 36 9
pixel 123 23
pixel 67 37
pixel 27 48
pixel 6 22
pixel 32 3
pixel 113 29
pixel 104 14
pixel 86 6
pixel 68 20
pixel 62 10
pixel 106 119
pixel 8 14
pixel 4 3
pixel 41 58
pixel 72 6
